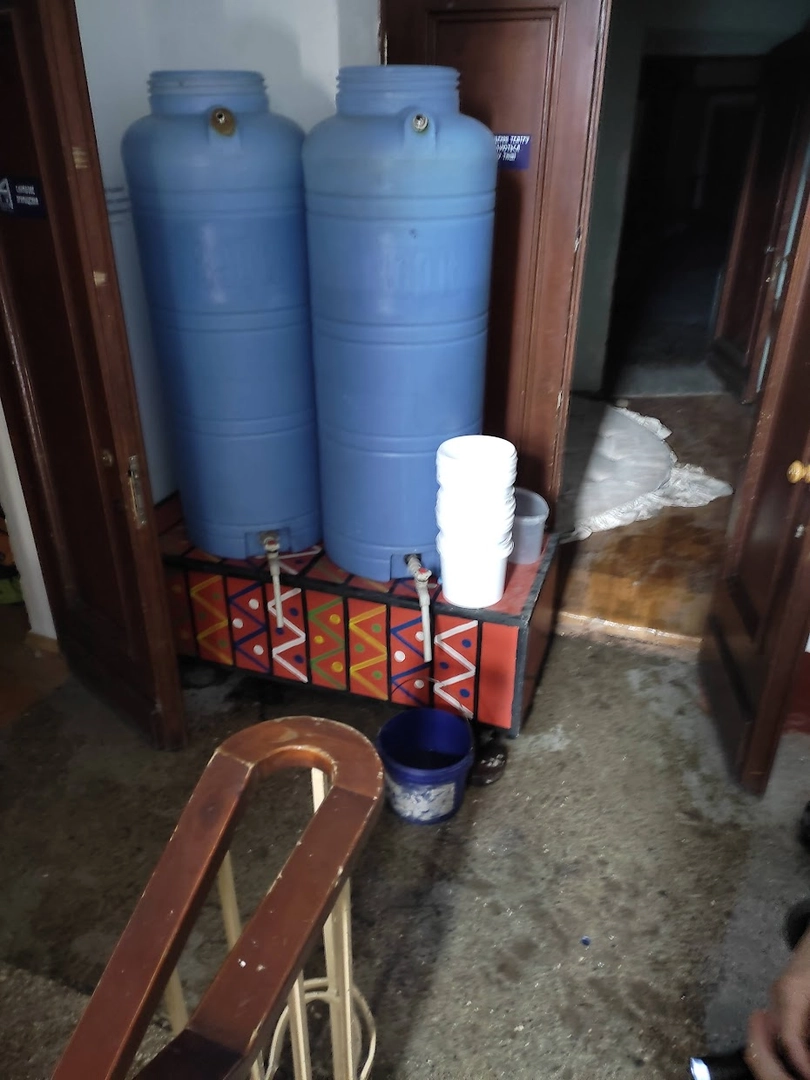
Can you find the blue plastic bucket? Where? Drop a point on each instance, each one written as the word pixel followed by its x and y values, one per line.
pixel 427 754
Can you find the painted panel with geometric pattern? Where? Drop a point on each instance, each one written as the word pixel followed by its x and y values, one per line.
pixel 207 592
pixel 325 570
pixel 410 675
pixel 289 643
pixel 368 651
pixel 180 612
pixel 326 632
pixel 296 561
pixel 455 648
pixel 223 611
pixel 248 625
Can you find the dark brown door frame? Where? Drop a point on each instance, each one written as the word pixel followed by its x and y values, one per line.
pixel 75 170
pixel 784 108
pixel 737 247
pixel 749 662
pixel 769 307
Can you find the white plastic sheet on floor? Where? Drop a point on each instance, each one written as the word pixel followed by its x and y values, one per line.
pixel 619 469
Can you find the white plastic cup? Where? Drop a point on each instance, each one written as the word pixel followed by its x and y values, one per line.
pixel 490 446
pixel 486 536
pixel 457 513
pixel 481 539
pixel 472 528
pixel 473 574
pixel 476 498
pixel 478 484
pixel 479 458
pixel 476 494
pixel 531 514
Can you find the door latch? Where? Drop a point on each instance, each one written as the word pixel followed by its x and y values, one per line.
pixel 136 491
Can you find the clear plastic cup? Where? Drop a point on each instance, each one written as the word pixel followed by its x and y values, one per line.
pixel 531 514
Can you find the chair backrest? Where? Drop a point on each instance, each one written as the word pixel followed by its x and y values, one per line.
pixel 231 1028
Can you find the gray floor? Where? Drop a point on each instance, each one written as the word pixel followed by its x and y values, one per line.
pixel 615 824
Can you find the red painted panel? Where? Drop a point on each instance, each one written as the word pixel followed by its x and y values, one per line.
pixel 496 674
pixel 410 675
pixel 455 647
pixel 325 570
pixel 406 587
pixel 296 561
pixel 208 605
pixel 326 629
pixel 289 642
pixel 368 652
pixel 248 625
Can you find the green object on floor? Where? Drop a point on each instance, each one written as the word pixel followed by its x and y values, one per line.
pixel 10 590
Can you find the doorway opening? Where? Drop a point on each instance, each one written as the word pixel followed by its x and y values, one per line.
pixel 695 118
pixel 697 121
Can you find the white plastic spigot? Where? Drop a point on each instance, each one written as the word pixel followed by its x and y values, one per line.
pixel 421 576
pixel 272 549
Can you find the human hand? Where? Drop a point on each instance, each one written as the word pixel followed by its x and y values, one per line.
pixel 779 1034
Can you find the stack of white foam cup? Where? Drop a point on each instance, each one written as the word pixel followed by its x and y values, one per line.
pixel 475 510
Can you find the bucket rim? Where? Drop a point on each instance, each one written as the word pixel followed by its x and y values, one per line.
pixel 447 773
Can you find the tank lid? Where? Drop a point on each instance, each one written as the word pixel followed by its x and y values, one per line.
pixel 391 87
pixel 205 82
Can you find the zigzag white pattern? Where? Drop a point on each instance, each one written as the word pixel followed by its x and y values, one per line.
pixel 288 568
pixel 440 643
pixel 299 639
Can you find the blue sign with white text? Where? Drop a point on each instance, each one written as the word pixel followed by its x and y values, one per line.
pixel 513 151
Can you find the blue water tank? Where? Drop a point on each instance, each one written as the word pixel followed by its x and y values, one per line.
pixel 217 199
pixel 400 192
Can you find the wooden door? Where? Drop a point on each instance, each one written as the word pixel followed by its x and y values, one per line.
pixel 529 69
pixel 65 377
pixel 767 201
pixel 760 614
pixel 780 254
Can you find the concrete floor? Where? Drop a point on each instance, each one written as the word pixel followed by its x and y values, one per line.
pixel 614 823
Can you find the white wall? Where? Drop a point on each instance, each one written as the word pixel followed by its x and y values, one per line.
pixel 298 45
pixel 688 27
pixel 22 539
pixel 610 182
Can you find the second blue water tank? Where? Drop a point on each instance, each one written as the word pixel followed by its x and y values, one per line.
pixel 217 198
pixel 400 192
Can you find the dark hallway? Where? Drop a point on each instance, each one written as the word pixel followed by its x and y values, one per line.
pixel 695 119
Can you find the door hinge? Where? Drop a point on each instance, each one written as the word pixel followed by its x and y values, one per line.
pixel 136 491
pixel 81 159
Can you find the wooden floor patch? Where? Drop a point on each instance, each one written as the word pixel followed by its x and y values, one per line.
pixel 652 581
